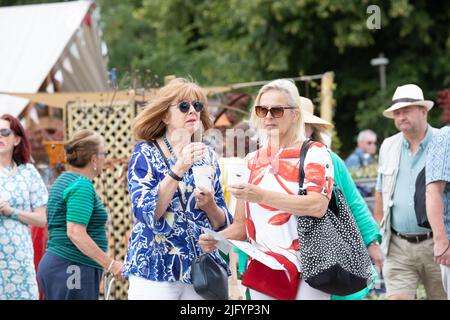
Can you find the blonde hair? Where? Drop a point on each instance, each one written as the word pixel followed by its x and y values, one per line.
pixel 293 97
pixel 319 132
pixel 81 147
pixel 149 125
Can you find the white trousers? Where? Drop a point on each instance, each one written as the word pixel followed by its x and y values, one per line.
pixel 305 292
pixel 143 289
pixel 446 279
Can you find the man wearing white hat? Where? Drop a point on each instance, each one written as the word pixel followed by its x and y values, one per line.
pixel 407 246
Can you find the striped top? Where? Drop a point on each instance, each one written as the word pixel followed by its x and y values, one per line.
pixel 72 198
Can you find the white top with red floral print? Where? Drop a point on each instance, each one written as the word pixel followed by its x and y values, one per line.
pixel 273 230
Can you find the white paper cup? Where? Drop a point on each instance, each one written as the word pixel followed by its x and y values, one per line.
pixel 237 173
pixel 203 177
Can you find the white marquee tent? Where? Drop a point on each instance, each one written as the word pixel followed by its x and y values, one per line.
pixel 60 41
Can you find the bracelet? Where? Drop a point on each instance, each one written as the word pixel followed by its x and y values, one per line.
pixel 444 251
pixel 174 176
pixel 15 214
pixel 110 265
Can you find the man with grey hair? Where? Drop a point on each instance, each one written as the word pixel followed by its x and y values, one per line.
pixel 407 246
pixel 365 152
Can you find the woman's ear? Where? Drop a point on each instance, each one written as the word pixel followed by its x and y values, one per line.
pixel 94 162
pixel 166 118
pixel 94 158
pixel 17 141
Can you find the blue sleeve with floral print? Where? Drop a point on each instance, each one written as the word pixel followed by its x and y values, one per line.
pixel 143 184
pixel 438 155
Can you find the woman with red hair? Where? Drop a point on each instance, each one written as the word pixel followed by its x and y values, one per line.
pixel 23 197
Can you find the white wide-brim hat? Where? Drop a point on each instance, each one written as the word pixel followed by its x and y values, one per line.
pixel 407 95
pixel 308 114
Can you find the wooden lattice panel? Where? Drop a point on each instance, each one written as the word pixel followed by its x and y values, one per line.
pixel 114 124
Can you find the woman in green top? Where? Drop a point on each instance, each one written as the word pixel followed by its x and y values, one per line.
pixel 314 129
pixel 72 266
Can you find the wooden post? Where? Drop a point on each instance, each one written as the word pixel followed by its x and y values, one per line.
pixel 326 97
pixel 28 122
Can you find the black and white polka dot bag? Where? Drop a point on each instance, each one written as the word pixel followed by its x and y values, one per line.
pixel 334 258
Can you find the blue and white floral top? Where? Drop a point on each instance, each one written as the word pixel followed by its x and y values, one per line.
pixel 438 168
pixel 161 250
pixel 26 191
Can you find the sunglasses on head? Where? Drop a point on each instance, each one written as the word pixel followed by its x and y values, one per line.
pixel 5 132
pixel 276 111
pixel 185 106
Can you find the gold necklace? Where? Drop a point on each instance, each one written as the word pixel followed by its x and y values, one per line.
pixel 9 171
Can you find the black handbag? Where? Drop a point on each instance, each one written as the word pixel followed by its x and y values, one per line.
pixel 210 279
pixel 333 256
pixel 420 206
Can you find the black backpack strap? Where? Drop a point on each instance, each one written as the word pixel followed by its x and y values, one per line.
pixel 301 175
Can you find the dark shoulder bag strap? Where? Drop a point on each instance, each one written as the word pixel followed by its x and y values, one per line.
pixel 301 174
pixel 333 204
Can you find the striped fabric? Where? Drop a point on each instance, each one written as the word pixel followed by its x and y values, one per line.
pixel 72 198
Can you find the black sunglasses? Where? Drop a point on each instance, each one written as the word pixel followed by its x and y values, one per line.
pixel 185 106
pixel 276 111
pixel 5 132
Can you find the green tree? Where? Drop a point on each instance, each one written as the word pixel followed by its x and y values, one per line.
pixel 4 3
pixel 219 42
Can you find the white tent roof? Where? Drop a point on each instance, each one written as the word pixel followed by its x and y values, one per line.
pixel 36 38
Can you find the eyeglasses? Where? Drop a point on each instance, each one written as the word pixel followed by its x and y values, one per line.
pixel 275 111
pixel 185 106
pixel 5 132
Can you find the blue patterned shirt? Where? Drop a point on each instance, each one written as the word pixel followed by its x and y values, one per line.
pixel 161 250
pixel 438 167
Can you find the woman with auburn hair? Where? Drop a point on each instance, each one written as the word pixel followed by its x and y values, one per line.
pixel 23 197
pixel 72 266
pixel 269 204
pixel 171 207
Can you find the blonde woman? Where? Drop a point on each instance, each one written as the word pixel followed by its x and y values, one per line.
pixel 72 266
pixel 268 206
pixel 168 205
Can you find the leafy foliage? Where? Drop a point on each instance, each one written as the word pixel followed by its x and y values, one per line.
pixel 219 42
